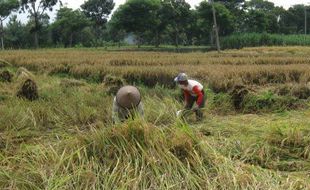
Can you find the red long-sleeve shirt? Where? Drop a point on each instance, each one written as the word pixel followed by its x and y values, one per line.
pixel 193 88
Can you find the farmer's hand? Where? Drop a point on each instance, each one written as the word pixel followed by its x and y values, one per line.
pixel 195 107
pixel 179 113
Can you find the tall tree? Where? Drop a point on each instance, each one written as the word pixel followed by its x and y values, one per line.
pixel 115 30
pixel 138 17
pixel 43 33
pixel 261 5
pixel 178 14
pixel 36 9
pixel 237 9
pixel 262 16
pixel 98 10
pixel 68 24
pixel 6 7
pixel 223 15
pixel 256 21
pixel 192 30
pixel 235 6
pixel 17 35
pixel 294 19
pixel 161 24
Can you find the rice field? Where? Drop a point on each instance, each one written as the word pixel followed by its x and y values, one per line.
pixel 255 134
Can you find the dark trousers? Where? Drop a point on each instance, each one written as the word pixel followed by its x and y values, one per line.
pixel 190 103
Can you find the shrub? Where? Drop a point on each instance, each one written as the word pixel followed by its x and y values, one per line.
pixel 237 41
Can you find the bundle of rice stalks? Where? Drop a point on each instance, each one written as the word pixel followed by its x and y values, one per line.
pixel 301 91
pixel 6 76
pixel 113 84
pixel 71 83
pixel 150 77
pixel 111 80
pixel 219 84
pixel 4 63
pixel 181 146
pixel 284 90
pixel 23 73
pixel 28 89
pixel 113 90
pixel 238 94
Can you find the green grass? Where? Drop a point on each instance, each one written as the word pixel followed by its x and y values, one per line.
pixel 65 140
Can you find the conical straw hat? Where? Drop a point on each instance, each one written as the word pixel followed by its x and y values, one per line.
pixel 128 97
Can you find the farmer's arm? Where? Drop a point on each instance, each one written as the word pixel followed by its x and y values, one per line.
pixel 199 95
pixel 186 96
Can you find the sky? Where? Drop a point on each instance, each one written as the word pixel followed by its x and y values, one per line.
pixel 76 4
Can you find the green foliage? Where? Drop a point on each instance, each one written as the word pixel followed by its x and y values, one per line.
pixel 68 25
pixel 237 41
pixel 294 20
pixel 17 35
pixel 37 13
pixel 6 7
pixel 178 15
pixel 44 4
pixel 137 15
pixel 98 10
pixel 156 22
pixel 234 5
pixel 223 15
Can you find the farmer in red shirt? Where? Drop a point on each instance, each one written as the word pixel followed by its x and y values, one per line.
pixel 193 93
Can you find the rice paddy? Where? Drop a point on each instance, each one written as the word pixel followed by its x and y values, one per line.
pixel 255 134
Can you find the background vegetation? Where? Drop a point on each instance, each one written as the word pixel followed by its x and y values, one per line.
pixel 152 22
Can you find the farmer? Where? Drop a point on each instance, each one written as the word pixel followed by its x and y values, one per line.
pixel 193 93
pixel 127 104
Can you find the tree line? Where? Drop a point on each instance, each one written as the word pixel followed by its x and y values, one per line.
pixel 147 22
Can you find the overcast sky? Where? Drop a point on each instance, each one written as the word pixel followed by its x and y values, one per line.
pixel 76 4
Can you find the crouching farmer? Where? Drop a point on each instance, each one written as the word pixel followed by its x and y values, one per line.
pixel 127 104
pixel 193 93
